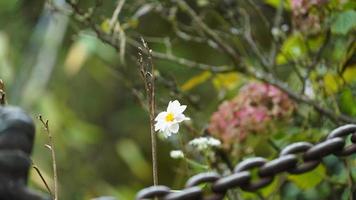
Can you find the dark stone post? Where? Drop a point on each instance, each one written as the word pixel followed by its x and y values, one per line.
pixel 17 133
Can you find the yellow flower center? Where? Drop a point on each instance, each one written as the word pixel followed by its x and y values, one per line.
pixel 169 117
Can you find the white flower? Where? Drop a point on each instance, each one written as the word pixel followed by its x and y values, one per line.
pixel 168 121
pixel 176 154
pixel 203 143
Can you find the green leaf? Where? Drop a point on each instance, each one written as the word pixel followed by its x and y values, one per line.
pixel 344 22
pixel 79 53
pixel 310 179
pixel 275 3
pixel 131 154
pixel 293 48
pixel 346 194
pixel 267 191
pixel 348 102
pixel 226 81
pixel 196 80
pixel 202 3
pixel 332 83
pixel 349 74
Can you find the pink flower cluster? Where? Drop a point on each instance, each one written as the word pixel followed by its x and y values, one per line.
pixel 303 18
pixel 251 111
pixel 302 6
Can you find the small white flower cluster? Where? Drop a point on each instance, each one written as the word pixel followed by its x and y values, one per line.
pixel 203 143
pixel 177 154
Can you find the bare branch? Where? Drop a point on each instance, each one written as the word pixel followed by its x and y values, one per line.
pixel 116 13
pixel 251 42
pixel 276 24
pixel 184 61
pixel 148 77
pixel 50 146
pixel 38 171
pixel 259 12
pixel 192 64
pixel 216 38
pixel 337 118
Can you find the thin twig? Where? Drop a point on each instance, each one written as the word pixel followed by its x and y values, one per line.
pixel 52 149
pixel 116 13
pixel 148 77
pixel 205 28
pixel 276 24
pixel 2 93
pixel 249 38
pixel 350 180
pixel 115 27
pixel 301 98
pixel 42 178
pixel 191 64
pixel 259 12
pixel 273 145
pixel 184 61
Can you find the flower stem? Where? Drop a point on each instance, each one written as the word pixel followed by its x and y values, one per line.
pixel 154 154
pixel 181 143
pixel 147 74
pixel 196 164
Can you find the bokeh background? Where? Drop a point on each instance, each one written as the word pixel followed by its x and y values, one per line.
pixel 53 64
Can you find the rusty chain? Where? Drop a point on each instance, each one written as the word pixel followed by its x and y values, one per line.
pixel 296 158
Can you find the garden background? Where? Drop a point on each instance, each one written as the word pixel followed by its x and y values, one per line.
pixel 77 65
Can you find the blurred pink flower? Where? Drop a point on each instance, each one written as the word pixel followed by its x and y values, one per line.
pixel 255 106
pixel 302 6
pixel 305 20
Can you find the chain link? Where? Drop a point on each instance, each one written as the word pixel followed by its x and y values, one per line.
pixel 343 132
pixel 300 147
pixel 296 158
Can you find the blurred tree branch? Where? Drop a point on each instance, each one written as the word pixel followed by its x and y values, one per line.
pixel 240 65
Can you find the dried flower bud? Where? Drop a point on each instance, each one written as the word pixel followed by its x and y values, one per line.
pixel 1 84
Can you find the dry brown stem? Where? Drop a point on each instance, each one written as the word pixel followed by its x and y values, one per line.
pixel 50 146
pixel 148 77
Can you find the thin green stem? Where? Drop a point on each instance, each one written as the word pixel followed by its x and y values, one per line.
pixel 196 164
pixel 350 180
pixel 42 178
pixel 181 144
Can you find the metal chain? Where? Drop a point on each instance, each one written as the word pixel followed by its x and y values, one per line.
pixel 311 156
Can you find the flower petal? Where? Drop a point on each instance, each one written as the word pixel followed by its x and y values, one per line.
pixel 162 125
pixel 167 133
pixel 161 116
pixel 174 128
pixel 181 117
pixel 172 106
pixel 181 109
pixel 158 126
